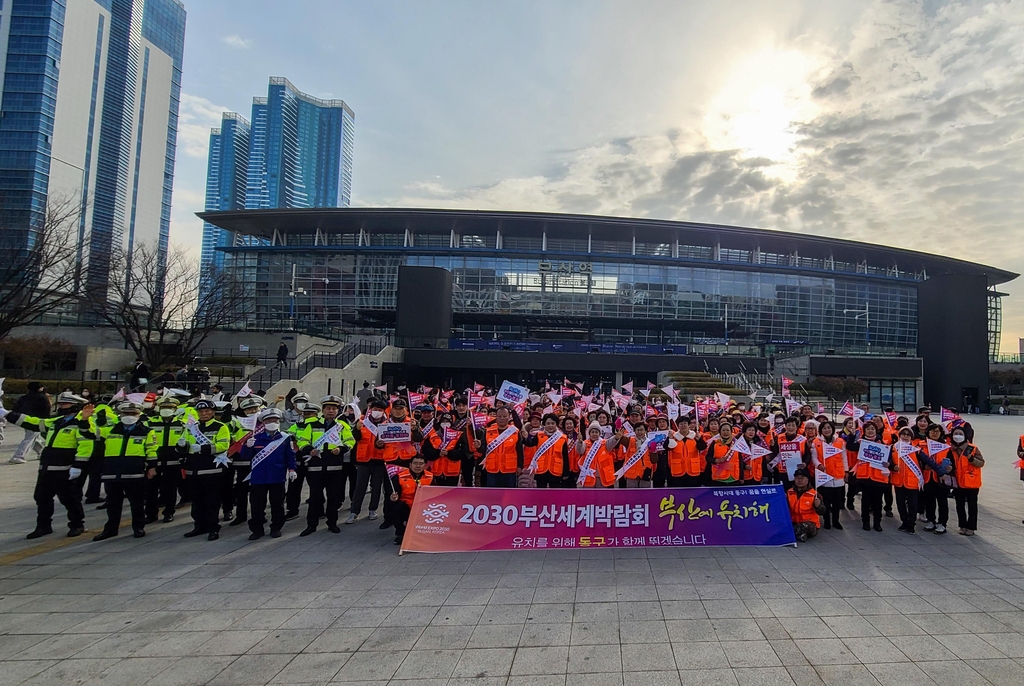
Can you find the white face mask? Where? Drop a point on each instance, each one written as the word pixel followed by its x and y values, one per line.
pixel 167 413
pixel 271 427
pixel 376 414
pixel 958 438
pixel 299 405
pixel 445 425
pixel 129 419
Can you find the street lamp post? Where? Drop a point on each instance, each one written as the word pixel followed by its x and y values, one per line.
pixel 866 313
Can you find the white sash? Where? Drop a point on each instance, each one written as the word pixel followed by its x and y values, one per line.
pixel 546 446
pixel 265 453
pixel 585 470
pixel 193 428
pixel 330 436
pixel 370 426
pixel 633 459
pixel 502 437
pixel 911 464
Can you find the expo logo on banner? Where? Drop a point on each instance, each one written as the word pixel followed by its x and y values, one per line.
pixel 453 519
pixel 513 394
pixel 394 433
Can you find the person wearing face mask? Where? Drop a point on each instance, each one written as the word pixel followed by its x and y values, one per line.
pixel 371 453
pixel 444 450
pixel 967 464
pixel 325 464
pixel 237 485
pixel 206 466
pixel 162 489
pixel 310 413
pixel 549 464
pixel 271 455
pixel 68 445
pixel 128 458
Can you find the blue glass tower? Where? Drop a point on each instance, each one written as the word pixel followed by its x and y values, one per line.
pixel 225 182
pixel 299 155
pixel 90 95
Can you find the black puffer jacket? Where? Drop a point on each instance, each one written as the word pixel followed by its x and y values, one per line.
pixel 33 404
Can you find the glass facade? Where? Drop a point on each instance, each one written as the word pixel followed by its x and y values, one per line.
pixel 654 300
pixel 995 323
pixel 226 177
pixel 299 155
pixel 898 394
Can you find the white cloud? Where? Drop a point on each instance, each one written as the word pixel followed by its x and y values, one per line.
pixel 196 116
pixel 912 134
pixel 237 42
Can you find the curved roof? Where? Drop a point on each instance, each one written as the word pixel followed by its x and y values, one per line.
pixel 392 219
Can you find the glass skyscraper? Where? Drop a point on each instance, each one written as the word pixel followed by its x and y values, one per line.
pixel 297 153
pixel 90 92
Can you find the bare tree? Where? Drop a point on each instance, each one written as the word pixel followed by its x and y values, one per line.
pixel 166 310
pixel 39 268
pixel 31 354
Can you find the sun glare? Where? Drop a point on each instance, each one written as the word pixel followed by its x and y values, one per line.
pixel 762 98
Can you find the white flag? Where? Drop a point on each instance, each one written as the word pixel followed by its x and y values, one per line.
pixel 821 478
pixel 792 406
pixel 740 445
pixel 244 391
pixel 670 391
pixel 723 399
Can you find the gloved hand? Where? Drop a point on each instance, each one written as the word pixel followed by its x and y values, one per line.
pixel 220 460
pixel 3 412
pixel 206 450
pixel 292 476
pixel 182 442
pixel 74 473
pixel 250 443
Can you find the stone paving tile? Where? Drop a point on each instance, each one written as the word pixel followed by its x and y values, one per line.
pixel 850 608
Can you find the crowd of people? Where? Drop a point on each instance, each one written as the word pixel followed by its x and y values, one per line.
pixel 229 459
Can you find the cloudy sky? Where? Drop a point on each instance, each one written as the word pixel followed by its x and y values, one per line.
pixel 895 121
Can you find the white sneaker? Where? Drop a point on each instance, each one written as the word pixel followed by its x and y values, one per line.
pixel 929 527
pixel 16 460
pixel 352 518
pixel 372 516
pixel 939 529
pixel 922 518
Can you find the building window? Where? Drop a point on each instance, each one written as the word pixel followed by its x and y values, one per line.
pixel 899 394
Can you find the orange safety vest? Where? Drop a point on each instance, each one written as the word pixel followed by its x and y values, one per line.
pixel 400 451
pixel 627 450
pixel 801 507
pixel 753 470
pixel 365 448
pixel 408 484
pixel 603 464
pixel 442 465
pixel 684 459
pixel 904 477
pixel 866 472
pixel 503 459
pixel 967 475
pixel 551 461
pixel 727 471
pixel 833 466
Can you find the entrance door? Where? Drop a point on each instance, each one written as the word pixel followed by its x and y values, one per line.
pixel 970 398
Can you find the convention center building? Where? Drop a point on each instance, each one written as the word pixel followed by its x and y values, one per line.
pixel 619 291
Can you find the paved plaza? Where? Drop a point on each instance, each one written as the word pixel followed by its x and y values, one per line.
pixel 851 607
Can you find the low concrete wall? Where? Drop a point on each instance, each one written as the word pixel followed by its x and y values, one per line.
pixel 341 382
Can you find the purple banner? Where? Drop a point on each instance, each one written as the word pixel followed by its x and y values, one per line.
pixel 455 519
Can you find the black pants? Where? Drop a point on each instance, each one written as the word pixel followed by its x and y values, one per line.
pixel 906 505
pixel 833 497
pixel 684 481
pixel 373 474
pixel 468 471
pixel 258 495
pixel 447 481
pixel 162 489
pixel 240 491
pixel 887 497
pixel 185 490
pixel 852 489
pixel 967 508
pixel 547 481
pixel 348 476
pixel 294 498
pixel 320 482
pixel 55 484
pixel 95 474
pixel 207 494
pixel 871 493
pixel 135 491
pixel 398 514
pixel 936 497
